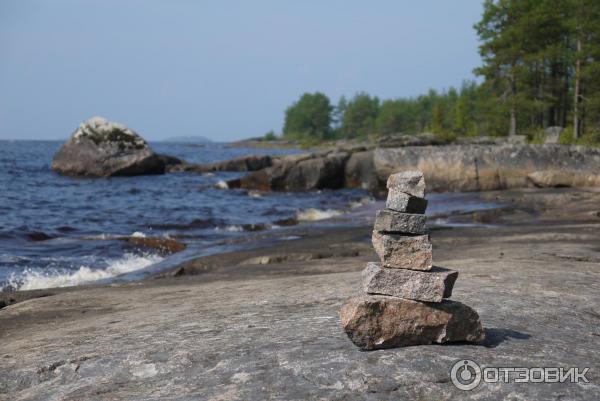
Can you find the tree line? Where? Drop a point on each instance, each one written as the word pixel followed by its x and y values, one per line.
pixel 539 69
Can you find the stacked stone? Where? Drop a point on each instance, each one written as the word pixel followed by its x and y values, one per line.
pixel 405 295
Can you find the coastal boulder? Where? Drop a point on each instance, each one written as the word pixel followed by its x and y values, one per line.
pixel 101 148
pixel 550 179
pixel 243 163
pixel 318 173
pixel 359 172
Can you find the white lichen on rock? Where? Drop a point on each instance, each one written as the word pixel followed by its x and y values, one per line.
pixel 102 148
pixel 100 130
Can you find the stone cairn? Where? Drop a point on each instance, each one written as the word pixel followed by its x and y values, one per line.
pixel 404 302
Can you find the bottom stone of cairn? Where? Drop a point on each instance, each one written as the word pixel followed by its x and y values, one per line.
pixel 377 321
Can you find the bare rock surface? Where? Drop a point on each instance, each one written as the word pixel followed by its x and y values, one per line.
pixel 298 173
pixel 101 148
pixel 428 286
pixel 462 167
pixel 272 331
pixel 359 172
pixel 243 163
pixel 403 251
pixel 377 322
pixel 395 222
pixel 489 167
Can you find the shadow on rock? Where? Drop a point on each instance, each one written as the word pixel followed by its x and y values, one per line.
pixel 494 337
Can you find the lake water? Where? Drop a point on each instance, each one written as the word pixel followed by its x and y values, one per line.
pixel 58 231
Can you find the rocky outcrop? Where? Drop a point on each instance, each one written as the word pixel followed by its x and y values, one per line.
pixel 550 179
pixel 244 163
pixel 170 161
pixel 100 148
pixel 318 173
pixel 399 140
pixel 298 172
pixel 446 168
pixel 479 167
pixel 359 172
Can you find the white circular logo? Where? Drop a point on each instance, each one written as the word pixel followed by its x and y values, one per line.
pixel 465 374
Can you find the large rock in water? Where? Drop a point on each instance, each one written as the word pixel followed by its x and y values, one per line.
pixel 100 148
pixel 317 173
pixel 298 173
pixel 243 163
pixel 359 172
pixel 376 321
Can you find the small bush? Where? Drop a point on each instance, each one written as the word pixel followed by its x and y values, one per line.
pixel 270 136
pixel 589 138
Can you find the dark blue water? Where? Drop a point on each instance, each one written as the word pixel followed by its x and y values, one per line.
pixel 57 230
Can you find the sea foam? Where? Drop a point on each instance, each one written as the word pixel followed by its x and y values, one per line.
pixel 36 279
pixel 316 214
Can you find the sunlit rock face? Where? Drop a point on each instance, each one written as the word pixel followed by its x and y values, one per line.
pixel 102 148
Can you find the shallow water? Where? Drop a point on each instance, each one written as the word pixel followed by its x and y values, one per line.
pixel 60 231
pixel 57 230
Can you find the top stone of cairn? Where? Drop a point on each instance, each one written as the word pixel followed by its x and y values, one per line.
pixel 410 182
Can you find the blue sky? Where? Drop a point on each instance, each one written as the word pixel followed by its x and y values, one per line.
pixel 221 69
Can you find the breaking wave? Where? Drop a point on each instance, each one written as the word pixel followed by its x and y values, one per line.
pixel 316 214
pixel 36 279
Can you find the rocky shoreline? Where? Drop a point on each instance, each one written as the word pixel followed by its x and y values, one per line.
pixel 100 148
pixel 446 168
pixel 260 322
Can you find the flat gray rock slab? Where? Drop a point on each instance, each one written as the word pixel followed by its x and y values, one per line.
pixel 429 286
pixel 403 251
pixel 377 322
pixel 263 337
pixel 395 222
pixel 405 203
pixel 411 182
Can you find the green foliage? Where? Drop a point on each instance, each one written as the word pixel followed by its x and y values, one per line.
pixel 394 117
pixel 536 137
pixel 309 118
pixel 536 54
pixel 270 136
pixel 359 115
pixel 540 67
pixel 590 138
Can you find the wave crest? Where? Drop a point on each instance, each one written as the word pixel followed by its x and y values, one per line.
pixel 35 279
pixel 316 214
